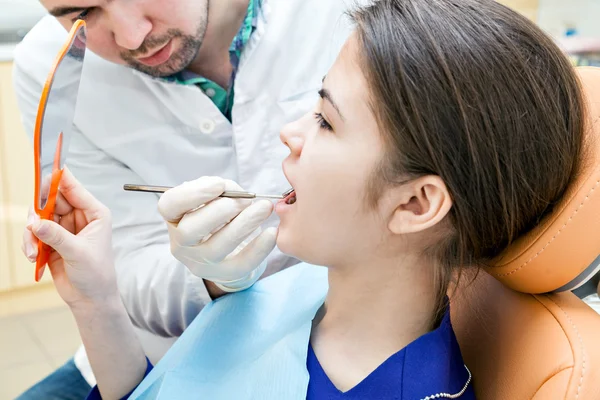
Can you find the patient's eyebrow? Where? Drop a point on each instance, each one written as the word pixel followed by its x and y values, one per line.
pixel 66 10
pixel 326 95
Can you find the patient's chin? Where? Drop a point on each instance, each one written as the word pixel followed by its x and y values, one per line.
pixel 290 243
pixel 285 241
pixel 299 249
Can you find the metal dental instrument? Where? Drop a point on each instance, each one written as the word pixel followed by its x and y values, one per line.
pixel 229 194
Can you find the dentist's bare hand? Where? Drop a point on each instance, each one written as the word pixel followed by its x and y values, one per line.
pixel 211 235
pixel 81 264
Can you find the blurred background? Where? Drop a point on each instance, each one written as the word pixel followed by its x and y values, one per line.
pixel 37 333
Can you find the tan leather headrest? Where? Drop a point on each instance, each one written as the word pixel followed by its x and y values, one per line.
pixel 562 253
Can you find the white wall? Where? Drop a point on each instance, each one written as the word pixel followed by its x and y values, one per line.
pixel 18 14
pixel 554 16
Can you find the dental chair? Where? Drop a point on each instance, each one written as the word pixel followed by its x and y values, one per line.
pixel 523 333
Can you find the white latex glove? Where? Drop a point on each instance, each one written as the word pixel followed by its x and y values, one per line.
pixel 218 238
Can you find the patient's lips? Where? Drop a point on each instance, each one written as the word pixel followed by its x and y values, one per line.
pixel 290 198
pixel 286 203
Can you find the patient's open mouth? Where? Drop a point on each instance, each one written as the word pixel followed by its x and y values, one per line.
pixel 286 203
pixel 291 198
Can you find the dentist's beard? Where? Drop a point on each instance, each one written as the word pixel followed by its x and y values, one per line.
pixel 188 47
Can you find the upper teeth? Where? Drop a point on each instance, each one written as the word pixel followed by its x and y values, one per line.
pixel 291 200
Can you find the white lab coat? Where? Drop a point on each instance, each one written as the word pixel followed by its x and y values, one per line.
pixel 131 128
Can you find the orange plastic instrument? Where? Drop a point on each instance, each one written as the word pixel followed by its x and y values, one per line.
pixel 53 126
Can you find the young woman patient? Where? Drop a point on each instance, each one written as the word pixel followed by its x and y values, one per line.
pixel 444 131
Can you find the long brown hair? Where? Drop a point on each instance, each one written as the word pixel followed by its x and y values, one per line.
pixel 473 92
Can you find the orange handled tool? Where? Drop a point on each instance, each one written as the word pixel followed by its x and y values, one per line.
pixel 53 127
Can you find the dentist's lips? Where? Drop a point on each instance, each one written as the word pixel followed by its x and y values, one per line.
pixel 159 57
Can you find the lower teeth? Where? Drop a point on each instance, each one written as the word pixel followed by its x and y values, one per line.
pixel 291 200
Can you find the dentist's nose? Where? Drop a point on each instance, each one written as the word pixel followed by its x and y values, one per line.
pixel 292 136
pixel 129 27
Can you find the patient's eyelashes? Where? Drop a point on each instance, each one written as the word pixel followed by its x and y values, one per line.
pixel 323 124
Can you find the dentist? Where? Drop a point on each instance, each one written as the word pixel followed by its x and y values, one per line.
pixel 173 90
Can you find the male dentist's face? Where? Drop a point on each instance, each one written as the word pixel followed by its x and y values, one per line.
pixel 157 37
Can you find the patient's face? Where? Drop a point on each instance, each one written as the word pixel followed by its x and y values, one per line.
pixel 333 152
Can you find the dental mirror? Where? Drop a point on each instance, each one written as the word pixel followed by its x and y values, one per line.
pixel 53 126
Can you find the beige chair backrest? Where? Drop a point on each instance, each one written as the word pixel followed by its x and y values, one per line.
pixel 523 334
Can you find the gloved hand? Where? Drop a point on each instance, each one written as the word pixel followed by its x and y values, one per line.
pixel 218 238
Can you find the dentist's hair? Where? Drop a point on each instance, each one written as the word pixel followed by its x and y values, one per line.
pixel 477 94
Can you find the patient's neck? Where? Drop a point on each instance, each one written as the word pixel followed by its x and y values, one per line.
pixel 371 312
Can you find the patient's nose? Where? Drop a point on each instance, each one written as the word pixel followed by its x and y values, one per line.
pixel 292 136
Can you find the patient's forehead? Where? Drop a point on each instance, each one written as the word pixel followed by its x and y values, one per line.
pixel 346 81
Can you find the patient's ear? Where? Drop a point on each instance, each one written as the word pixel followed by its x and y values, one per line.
pixel 420 204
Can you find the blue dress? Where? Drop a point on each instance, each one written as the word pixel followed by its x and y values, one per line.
pixel 255 345
pixel 430 365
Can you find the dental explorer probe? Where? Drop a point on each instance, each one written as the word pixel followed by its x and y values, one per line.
pixel 229 194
